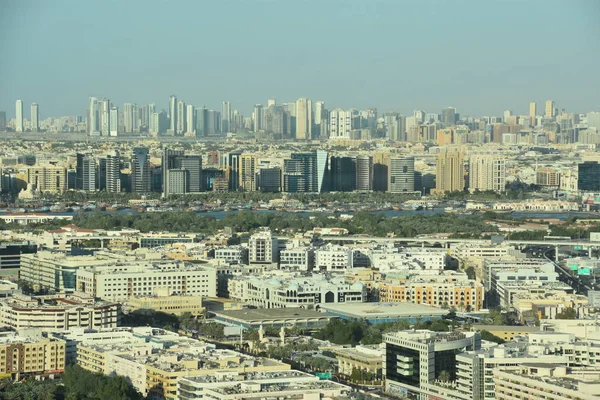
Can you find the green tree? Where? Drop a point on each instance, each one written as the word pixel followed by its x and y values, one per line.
pixel 567 313
pixel 490 337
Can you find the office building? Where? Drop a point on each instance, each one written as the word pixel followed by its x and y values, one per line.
pixel 231 164
pixel 550 109
pixel 263 248
pixel 449 116
pixel 118 282
pixel 86 172
pixel 226 117
pixel 364 173
pixel 588 176
pixel 247 172
pixel 276 121
pixel 128 117
pixel 181 121
pixel 450 172
pixel 35 118
pixel 257 117
pixel 113 172
pixel 19 127
pixel 304 119
pixel 24 357
pixel 401 175
pixel 305 172
pixel 181 173
pixel 104 116
pixel 487 173
pixel 10 257
pixel 57 312
pixel 415 360
pixel 48 178
pixel 269 179
pixel 342 174
pixel 114 121
pixel 140 170
pixel 93 124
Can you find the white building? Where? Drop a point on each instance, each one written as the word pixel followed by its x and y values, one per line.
pixel 35 118
pixel 270 291
pixel 19 116
pixel 263 248
pixel 119 282
pixel 487 172
pixel 232 254
pixel 297 259
pixel 340 124
pixel 304 119
pixel 332 257
pixel 401 176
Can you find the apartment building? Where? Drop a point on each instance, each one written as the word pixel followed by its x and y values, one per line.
pixel 297 259
pixel 48 178
pixel 332 257
pixel 25 357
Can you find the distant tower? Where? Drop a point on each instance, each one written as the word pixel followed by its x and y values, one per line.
pixel 180 129
pixel 304 119
pixel 401 175
pixel 226 117
pixel 257 116
pixel 92 119
pixel 140 170
pixel 19 116
pixel 114 121
pixel 550 106
pixel 532 113
pixel 364 173
pixel 190 120
pixel 173 114
pixel 35 118
pixel 128 117
pixel 104 114
pixel 113 172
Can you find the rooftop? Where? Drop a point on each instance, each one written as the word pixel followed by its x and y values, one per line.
pixel 382 310
pixel 271 313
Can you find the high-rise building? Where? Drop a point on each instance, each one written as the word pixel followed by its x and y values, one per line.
pixel 589 177
pixel 304 119
pixel 190 121
pixel 201 121
pixel 340 124
pixel 305 172
pixel 401 175
pixel 263 248
pixel 550 109
pixel 48 178
pixel 364 172
pixel 93 125
pixel 35 118
pixel 270 179
pixel 19 116
pixel 247 173
pixel 104 116
pixel 532 113
pixel 181 173
pixel 213 122
pixel 342 174
pixel 140 170
pixel 320 117
pixel 257 117
pixel 172 115
pixel 85 171
pixel 449 116
pixel 2 120
pixel 230 162
pixel 169 162
pixel 226 117
pixel 128 117
pixel 114 121
pixel 275 120
pixel 487 173
pixel 181 122
pixel 507 114
pixel 450 172
pixel 113 172
pixel 593 119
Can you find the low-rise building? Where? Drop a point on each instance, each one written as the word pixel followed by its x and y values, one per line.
pixel 368 360
pixel 169 304
pixel 25 357
pixel 381 313
pixel 332 257
pixel 297 259
pixel 58 312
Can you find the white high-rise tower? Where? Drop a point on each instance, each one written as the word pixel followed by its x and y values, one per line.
pixel 190 120
pixel 35 118
pixel 172 114
pixel 114 121
pixel 92 121
pixel 19 116
pixel 304 119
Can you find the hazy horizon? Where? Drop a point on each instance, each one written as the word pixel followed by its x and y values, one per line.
pixel 480 57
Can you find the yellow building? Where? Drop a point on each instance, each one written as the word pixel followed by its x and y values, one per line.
pixel 247 173
pixel 48 178
pixel 450 172
pixel 506 332
pixel 532 113
pixel 367 360
pixel 168 304
pixel 550 109
pixel 22 357
pixel 445 137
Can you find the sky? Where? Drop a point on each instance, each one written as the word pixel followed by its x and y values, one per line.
pixel 482 57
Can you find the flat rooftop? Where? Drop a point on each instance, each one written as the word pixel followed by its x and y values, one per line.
pixel 249 315
pixel 383 310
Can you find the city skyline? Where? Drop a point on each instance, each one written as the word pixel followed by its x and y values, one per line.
pixel 448 64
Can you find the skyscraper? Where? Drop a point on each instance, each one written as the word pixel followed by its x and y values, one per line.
pixel 532 113
pixel 35 118
pixel 114 121
pixel 93 126
pixel 128 117
pixel 507 114
pixel 364 172
pixel 190 120
pixel 19 116
pixel 257 117
pixel 275 120
pixel 168 163
pixel 247 173
pixel 2 120
pixel 550 106
pixel 450 172
pixel 172 115
pixel 85 171
pixel 181 173
pixel 321 120
pixel 304 119
pixel 113 172
pixel 449 116
pixel 201 121
pixel 181 122
pixel 487 172
pixel 588 176
pixel 104 116
pixel 140 170
pixel 342 175
pixel 231 164
pixel 226 117
pixel 401 175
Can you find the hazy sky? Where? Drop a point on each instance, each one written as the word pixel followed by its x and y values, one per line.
pixel 480 56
